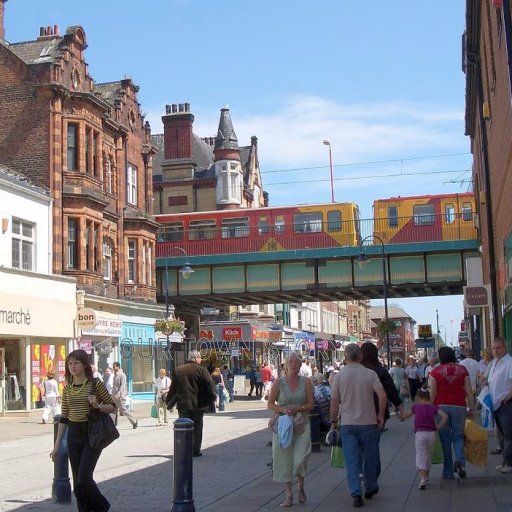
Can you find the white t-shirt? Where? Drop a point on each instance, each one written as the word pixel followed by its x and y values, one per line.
pixel 500 379
pixel 472 367
pixel 305 370
pixel 162 384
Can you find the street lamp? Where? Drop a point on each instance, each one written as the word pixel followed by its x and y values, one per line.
pixel 328 143
pixel 364 257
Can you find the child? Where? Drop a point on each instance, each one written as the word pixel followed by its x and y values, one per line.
pixel 425 429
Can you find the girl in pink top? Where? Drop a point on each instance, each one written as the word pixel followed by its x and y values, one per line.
pixel 425 431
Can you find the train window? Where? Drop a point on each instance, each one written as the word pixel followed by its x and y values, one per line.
pixel 334 220
pixel 172 232
pixel 310 222
pixel 202 230
pixel 449 213
pixel 235 228
pixel 279 224
pixel 424 214
pixel 392 216
pixel 467 212
pixel 263 227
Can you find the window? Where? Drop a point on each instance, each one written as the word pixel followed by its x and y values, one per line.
pixel 307 222
pixel 202 230
pixel 146 264
pixel 72 244
pixel 392 216
pixel 279 224
pixel 88 150
pixel 107 259
pixel 95 166
pixel 235 228
pixel 467 212
pixel 88 247
pixel 131 185
pixel 132 261
pixel 172 232
pixel 72 147
pixel 424 214
pixel 22 244
pixel 449 213
pixel 107 182
pixel 263 227
pixel 334 220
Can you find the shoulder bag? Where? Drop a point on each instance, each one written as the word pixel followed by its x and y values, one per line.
pixel 101 428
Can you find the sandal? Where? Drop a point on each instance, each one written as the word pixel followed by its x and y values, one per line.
pixel 302 496
pixel 288 502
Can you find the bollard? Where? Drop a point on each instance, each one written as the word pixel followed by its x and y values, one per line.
pixel 61 487
pixel 314 422
pixel 220 391
pixel 183 500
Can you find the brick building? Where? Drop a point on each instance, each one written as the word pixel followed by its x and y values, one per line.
pixel 487 60
pixel 89 145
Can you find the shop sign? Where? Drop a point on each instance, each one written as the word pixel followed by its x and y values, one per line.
pixel 476 296
pixel 206 333
pixel 86 319
pixel 105 327
pixel 85 345
pixel 231 333
pixel 425 331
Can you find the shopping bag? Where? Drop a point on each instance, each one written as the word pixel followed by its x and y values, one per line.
pixel 436 456
pixel 337 457
pixel 154 411
pixel 475 443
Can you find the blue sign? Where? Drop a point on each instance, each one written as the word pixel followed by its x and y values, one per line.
pixel 425 343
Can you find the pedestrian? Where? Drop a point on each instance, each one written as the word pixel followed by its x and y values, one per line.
pixel 432 363
pixel 398 375
pixel 193 390
pixel 51 397
pixel 218 380
pixel 413 377
pixel 322 394
pixel 425 431
pixel 251 375
pixel 162 385
pixel 305 369
pixel 120 394
pixel 108 378
pixel 292 396
pixel 266 375
pixel 229 381
pixel 500 387
pixel 450 388
pixel 76 402
pixel 472 367
pixel 259 382
pixel 352 402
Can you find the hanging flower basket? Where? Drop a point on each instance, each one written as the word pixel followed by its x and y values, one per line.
pixel 387 326
pixel 170 326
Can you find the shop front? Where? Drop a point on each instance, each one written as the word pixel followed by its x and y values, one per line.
pixel 37 330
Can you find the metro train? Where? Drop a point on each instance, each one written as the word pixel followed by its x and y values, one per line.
pixel 280 228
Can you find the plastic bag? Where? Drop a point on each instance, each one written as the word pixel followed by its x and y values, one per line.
pixel 337 457
pixel 154 411
pixel 436 456
pixel 475 443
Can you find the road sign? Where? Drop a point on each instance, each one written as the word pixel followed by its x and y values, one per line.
pixel 425 331
pixel 425 343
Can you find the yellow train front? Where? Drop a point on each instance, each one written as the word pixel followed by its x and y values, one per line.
pixel 428 218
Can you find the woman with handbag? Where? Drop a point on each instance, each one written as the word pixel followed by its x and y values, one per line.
pixel 162 385
pixel 293 396
pixel 77 400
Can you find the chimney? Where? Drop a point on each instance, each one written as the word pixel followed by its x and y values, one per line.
pixel 178 137
pixel 2 26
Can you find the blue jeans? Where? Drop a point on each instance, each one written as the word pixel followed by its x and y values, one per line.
pixel 452 434
pixel 361 451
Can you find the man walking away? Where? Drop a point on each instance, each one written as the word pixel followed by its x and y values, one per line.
pixel 352 401
pixel 500 387
pixel 120 394
pixel 193 391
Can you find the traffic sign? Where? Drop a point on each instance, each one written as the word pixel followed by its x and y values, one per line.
pixel 425 331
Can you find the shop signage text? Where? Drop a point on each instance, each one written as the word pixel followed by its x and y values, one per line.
pixel 86 319
pixel 232 333
pixel 476 296
pixel 19 317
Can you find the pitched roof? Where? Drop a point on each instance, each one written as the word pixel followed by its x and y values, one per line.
pixel 377 312
pixel 226 136
pixel 36 52
pixel 16 178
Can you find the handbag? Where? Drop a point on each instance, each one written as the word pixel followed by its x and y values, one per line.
pixel 101 428
pixel 272 422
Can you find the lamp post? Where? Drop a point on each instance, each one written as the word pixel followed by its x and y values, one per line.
pixel 186 271
pixel 362 258
pixel 328 143
pixel 438 331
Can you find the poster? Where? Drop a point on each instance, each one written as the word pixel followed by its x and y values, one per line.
pixel 45 359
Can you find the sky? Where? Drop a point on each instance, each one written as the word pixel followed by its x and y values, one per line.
pixel 382 81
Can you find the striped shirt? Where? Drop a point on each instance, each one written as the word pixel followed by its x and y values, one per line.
pixel 75 403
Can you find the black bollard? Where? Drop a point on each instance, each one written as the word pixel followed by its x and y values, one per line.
pixel 314 422
pixel 183 500
pixel 220 389
pixel 61 487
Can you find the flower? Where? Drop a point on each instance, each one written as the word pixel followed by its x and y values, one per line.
pixel 169 325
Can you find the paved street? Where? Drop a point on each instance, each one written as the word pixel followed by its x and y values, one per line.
pixel 135 473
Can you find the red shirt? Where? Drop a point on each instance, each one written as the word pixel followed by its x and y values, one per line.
pixel 266 374
pixel 450 384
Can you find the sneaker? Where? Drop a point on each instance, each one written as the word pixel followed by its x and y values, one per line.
pixel 135 425
pixel 423 485
pixel 460 470
pixel 370 495
pixel 505 468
